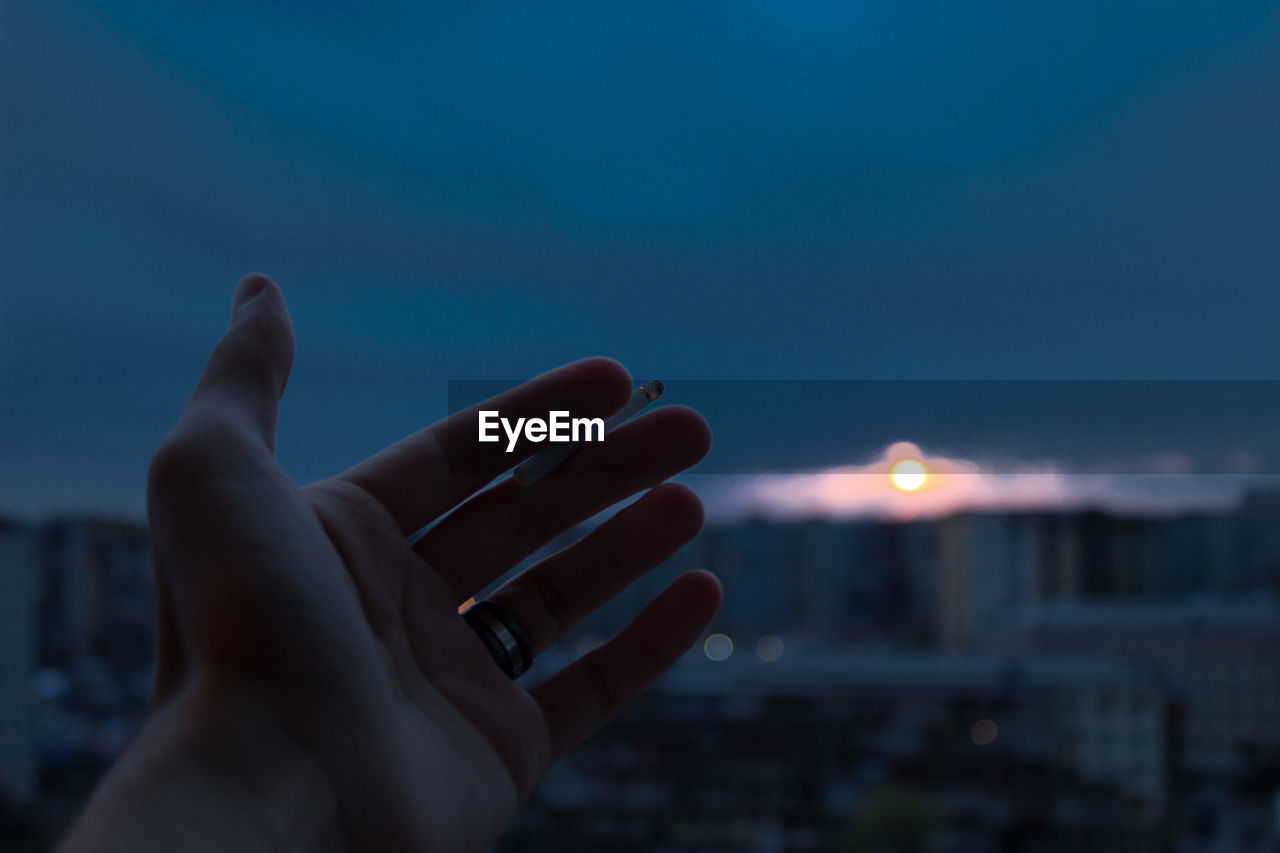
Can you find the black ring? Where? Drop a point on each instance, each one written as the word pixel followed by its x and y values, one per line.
pixel 512 652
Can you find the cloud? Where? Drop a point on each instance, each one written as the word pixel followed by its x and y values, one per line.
pixel 957 485
pixel 849 491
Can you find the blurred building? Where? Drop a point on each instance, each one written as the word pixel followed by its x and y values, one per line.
pixel 97 595
pixel 95 651
pixel 949 583
pixel 814 749
pixel 759 565
pixel 992 565
pixel 19 579
pixel 986 567
pixel 850 582
pixel 1261 503
pixel 865 582
pixel 1213 553
pixel 1222 653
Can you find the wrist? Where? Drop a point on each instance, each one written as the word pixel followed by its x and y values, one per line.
pixel 212 771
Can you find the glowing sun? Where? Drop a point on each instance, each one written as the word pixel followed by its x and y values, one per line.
pixel 907 474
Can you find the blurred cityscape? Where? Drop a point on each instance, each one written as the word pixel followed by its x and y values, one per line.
pixel 1031 681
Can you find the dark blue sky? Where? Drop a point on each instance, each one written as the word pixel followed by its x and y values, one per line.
pixel 888 190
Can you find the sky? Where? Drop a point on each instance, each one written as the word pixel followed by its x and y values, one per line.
pixel 714 191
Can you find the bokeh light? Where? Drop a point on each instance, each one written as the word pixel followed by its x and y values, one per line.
pixel 769 648
pixel 718 647
pixel 983 732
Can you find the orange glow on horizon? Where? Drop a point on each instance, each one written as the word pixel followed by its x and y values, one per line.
pixel 904 483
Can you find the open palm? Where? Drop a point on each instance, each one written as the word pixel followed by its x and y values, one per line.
pixel 308 602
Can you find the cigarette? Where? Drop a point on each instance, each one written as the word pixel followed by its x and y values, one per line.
pixel 536 467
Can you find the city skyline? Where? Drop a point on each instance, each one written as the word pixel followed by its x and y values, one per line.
pixel 1059 662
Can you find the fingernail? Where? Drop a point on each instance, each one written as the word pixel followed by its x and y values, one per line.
pixel 247 289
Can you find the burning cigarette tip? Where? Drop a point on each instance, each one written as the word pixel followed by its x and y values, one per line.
pixel 653 389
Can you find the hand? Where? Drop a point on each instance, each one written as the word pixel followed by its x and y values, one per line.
pixel 316 686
